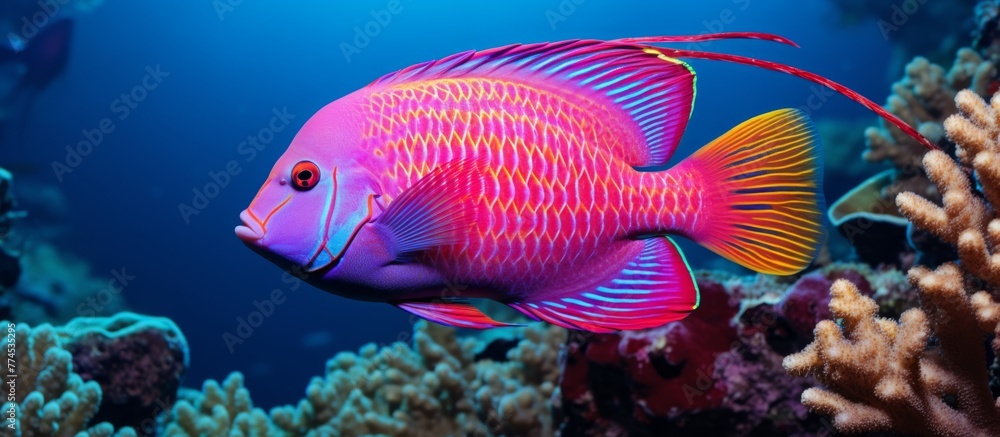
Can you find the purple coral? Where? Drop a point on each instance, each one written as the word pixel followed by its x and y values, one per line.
pixel 138 362
pixel 807 301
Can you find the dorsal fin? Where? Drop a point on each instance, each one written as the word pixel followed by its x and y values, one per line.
pixel 652 91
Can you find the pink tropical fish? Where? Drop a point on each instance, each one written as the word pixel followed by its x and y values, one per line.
pixel 521 173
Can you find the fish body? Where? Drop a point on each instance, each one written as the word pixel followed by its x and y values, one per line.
pixel 561 193
pixel 523 174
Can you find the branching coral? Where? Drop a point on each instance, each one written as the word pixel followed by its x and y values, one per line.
pixel 880 377
pixel 967 220
pixel 435 387
pixel 224 409
pixel 49 398
pixel 927 373
pixel 924 98
pixel 60 390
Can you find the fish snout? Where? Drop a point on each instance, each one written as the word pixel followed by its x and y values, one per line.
pixel 251 231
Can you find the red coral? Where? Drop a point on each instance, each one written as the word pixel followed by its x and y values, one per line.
pixel 720 368
pixel 638 375
pixel 675 363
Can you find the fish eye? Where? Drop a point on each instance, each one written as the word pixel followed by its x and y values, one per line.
pixel 305 175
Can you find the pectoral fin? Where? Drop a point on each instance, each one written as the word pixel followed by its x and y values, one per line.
pixel 436 211
pixel 457 314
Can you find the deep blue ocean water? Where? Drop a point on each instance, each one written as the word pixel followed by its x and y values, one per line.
pixel 226 68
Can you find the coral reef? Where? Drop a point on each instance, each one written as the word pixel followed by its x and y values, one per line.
pixel 51 399
pixel 137 360
pixel 52 387
pixel 924 98
pixel 433 388
pixel 928 373
pixel 986 37
pixel 873 227
pixel 720 368
pixel 38 283
pixel 619 383
pixel 861 208
pixel 882 377
pixel 54 287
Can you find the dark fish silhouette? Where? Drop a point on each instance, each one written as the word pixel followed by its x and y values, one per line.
pixel 44 59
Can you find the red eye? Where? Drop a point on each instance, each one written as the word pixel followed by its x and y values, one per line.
pixel 305 175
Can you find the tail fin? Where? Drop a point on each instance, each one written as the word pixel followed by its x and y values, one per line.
pixel 764 197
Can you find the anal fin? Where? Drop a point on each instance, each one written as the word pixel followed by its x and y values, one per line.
pixel 458 314
pixel 654 288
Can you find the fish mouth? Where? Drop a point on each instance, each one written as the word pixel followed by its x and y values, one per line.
pixel 251 231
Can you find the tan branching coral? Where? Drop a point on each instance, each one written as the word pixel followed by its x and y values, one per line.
pixel 880 375
pixel 927 373
pixel 924 98
pixel 967 221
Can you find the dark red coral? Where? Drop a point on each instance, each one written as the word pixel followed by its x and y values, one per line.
pixel 718 369
pixel 626 381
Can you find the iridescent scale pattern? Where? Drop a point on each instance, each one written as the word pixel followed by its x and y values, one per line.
pixel 560 195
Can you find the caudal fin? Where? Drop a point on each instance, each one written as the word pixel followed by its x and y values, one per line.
pixel 763 206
